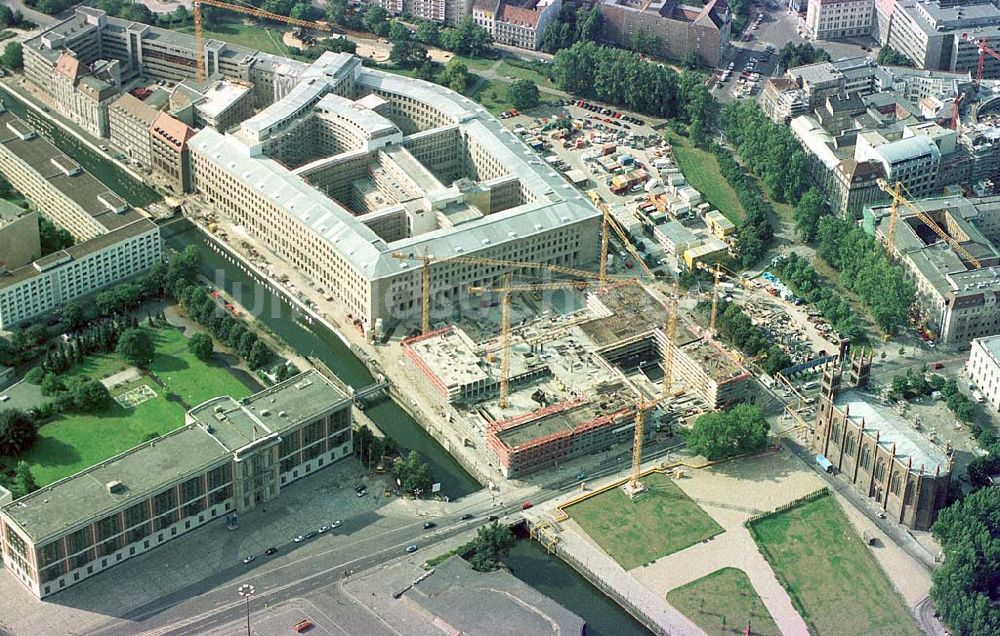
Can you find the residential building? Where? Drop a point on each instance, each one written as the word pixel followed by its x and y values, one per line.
pixel 170 156
pixel 957 300
pixel 440 11
pixel 782 100
pixel 983 368
pixel 354 165
pixel 229 457
pixel 702 28
pixel 20 243
pixel 519 23
pixel 114 242
pixel 130 121
pixel 834 19
pixel 879 453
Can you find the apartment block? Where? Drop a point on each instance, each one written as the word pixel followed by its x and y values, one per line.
pixel 228 457
pixel 983 367
pixel 519 23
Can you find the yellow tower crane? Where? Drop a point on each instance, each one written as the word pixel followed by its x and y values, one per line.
pixel 896 192
pixel 609 222
pixel 199 37
pixel 426 260
pixel 670 333
pixel 633 487
pixel 505 291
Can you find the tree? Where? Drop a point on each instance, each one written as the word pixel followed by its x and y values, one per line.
pixel 200 344
pixel 245 346
pixel 260 355
pixel 183 267
pixel 89 396
pixel 73 316
pixel 523 94
pixel 722 434
pixel 492 543
pixel 467 38
pixel 807 214
pixel 35 375
pixel 412 475
pixel 966 587
pixel 792 55
pixel 136 347
pixel 900 386
pixel 24 481
pixel 17 432
pixel 889 56
pixel 375 20
pixel 428 33
pixel 408 54
pixel 691 60
pixel 455 76
pixel 13 56
pixel 52 238
pixel 52 385
pixel 398 31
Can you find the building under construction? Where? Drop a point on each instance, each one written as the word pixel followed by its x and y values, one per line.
pixel 574 380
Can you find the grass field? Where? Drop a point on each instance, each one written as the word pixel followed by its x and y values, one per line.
pixel 721 603
pixel 493 95
pixel 661 521
pixel 254 36
pixel 834 582
pixel 701 170
pixel 507 69
pixel 73 442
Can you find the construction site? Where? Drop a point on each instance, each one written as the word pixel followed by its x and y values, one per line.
pixel 565 385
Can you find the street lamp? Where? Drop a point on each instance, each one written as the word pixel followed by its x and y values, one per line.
pixel 246 591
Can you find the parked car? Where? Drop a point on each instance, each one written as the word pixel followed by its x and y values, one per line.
pixel 299 539
pixel 467 516
pixel 412 547
pixel 429 524
pixel 302 626
pixel 249 559
pixel 270 550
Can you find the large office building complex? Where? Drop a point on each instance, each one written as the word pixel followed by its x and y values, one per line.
pixel 833 19
pixel 114 241
pixel 229 457
pixel 983 368
pixel 354 165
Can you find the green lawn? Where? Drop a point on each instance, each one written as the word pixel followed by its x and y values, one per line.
pixel 73 442
pixel 251 35
pixel 701 169
pixel 507 69
pixel 721 603
pixel 834 582
pixel 661 521
pixel 493 95
pixel 474 63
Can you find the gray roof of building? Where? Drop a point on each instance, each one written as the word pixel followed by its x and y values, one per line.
pixel 365 119
pixel 894 432
pixel 904 149
pixel 152 466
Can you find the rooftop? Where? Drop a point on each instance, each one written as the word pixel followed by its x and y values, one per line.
pixel 623 313
pixel 893 432
pixel 451 356
pixel 563 419
pixel 147 468
pixel 82 188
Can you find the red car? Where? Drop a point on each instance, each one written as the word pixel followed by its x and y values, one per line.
pixel 526 505
pixel 302 626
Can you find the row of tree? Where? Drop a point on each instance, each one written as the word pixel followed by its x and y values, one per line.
pixel 865 269
pixel 755 233
pixel 802 278
pixel 18 433
pixel 12 18
pixel 889 56
pixel 738 329
pixel 626 79
pixel 576 22
pixel 771 151
pixel 205 310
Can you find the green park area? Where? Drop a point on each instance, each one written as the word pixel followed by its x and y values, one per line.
pixel 701 169
pixel 722 603
pixel 661 521
pixel 252 35
pixel 834 582
pixel 72 442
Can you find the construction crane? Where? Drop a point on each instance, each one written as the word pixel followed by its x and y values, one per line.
pixel 505 291
pixel 670 332
pixel 426 260
pixel 633 487
pixel 199 38
pixel 609 222
pixel 956 121
pixel 717 272
pixel 897 198
pixel 983 52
